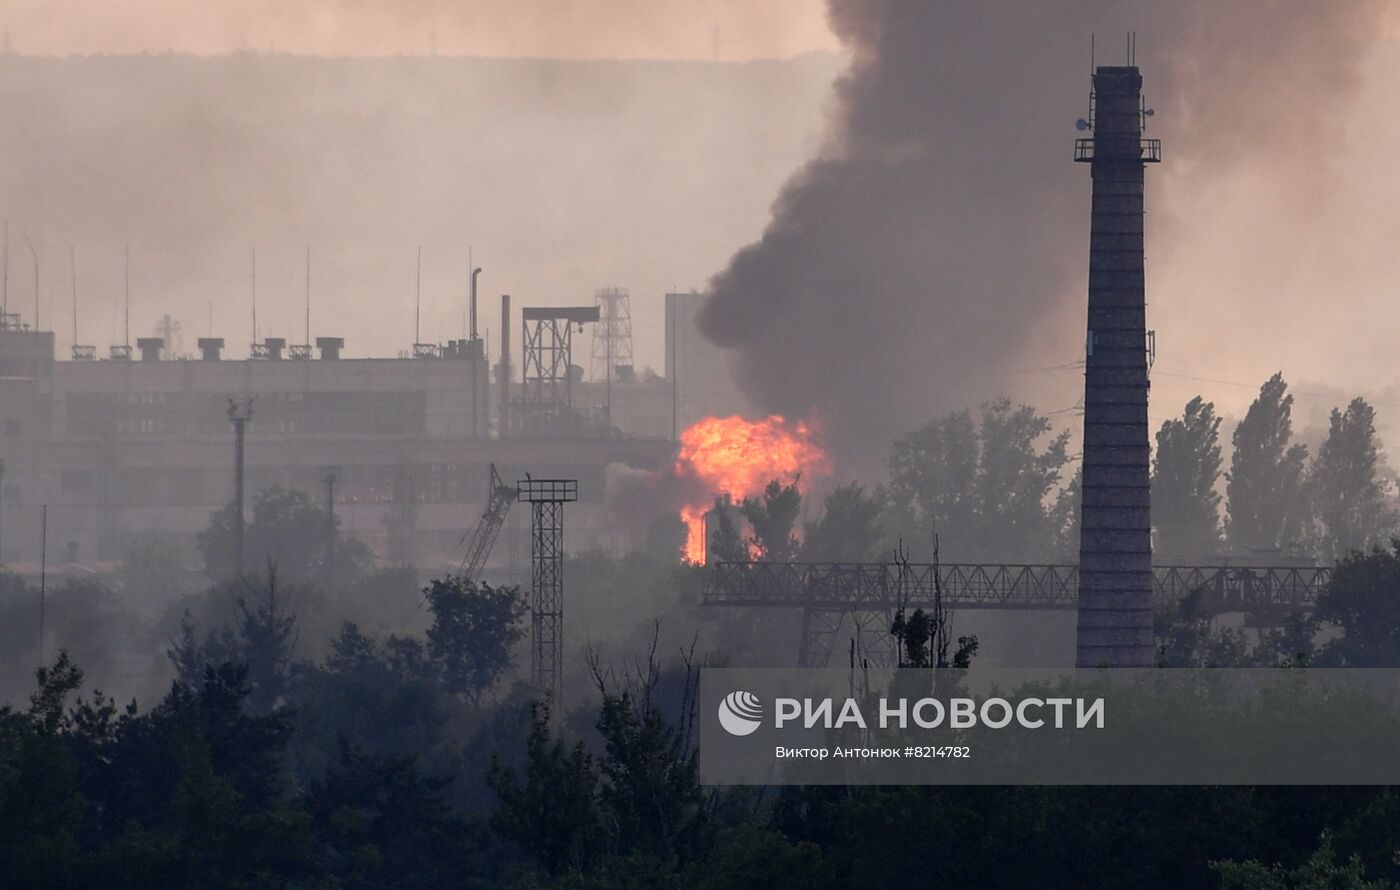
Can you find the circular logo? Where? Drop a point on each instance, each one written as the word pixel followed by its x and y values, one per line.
pixel 740 713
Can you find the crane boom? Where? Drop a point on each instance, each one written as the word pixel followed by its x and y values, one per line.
pixel 498 503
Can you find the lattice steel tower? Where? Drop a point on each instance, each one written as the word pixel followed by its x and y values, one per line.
pixel 1115 538
pixel 546 403
pixel 612 338
pixel 547 498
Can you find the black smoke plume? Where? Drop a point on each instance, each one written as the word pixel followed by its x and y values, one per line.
pixel 939 240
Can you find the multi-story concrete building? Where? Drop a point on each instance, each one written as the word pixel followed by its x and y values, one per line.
pixel 121 450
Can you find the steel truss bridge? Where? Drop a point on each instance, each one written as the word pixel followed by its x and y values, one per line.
pixel 867 594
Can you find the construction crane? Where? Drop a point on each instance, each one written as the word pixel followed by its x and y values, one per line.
pixel 498 502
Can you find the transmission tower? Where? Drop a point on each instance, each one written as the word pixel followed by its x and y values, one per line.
pixel 612 338
pixel 547 498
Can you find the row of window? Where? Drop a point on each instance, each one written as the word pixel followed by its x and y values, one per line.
pixel 375 484
pixel 94 415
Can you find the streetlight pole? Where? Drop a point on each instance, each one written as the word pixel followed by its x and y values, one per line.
pixel 240 411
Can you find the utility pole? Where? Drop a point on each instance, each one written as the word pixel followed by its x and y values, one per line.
pixel 329 478
pixel 43 576
pixel 675 384
pixel 240 411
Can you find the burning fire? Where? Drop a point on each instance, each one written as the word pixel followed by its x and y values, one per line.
pixel 738 457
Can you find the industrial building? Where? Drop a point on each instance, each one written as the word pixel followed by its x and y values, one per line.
pixel 136 446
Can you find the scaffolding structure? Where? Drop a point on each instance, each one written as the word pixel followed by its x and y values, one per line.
pixel 546 403
pixel 547 498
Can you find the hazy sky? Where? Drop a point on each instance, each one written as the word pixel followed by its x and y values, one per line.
pixel 572 29
pixel 1285 266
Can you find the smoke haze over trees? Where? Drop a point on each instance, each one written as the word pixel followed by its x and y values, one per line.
pixel 1185 468
pixel 1264 492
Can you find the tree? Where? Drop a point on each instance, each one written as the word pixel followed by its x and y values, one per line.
pixel 1015 478
pixel 985 487
pixel 1064 518
pixel 725 544
pixel 1265 486
pixel 551 811
pixel 1185 468
pixel 923 639
pixel 266 634
pixel 773 518
pixel 1348 494
pixel 261 641
pixel 155 570
pixel 289 529
pixel 474 627
pixel 850 528
pixel 378 697
pixel 933 480
pixel 665 539
pixel 1321 871
pixel 381 823
pixel 1361 599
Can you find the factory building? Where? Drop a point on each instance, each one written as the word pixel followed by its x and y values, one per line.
pixel 139 447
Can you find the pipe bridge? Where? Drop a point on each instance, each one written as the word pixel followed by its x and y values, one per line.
pixel 869 593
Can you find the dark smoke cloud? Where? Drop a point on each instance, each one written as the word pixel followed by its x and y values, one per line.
pixel 940 238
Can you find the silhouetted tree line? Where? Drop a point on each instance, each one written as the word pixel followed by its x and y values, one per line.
pixel 219 785
pixel 997 487
pixel 292 752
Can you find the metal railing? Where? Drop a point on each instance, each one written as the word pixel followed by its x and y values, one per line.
pixel 1149 150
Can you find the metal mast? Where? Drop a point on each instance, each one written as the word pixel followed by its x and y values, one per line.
pixel 612 339
pixel 547 498
pixel 240 411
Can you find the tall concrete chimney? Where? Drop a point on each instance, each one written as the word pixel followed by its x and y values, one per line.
pixel 1115 531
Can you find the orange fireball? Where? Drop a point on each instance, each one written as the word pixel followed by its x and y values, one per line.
pixel 738 457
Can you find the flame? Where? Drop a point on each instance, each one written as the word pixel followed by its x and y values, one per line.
pixel 738 457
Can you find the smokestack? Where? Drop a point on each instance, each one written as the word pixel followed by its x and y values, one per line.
pixel 471 309
pixel 210 347
pixel 1115 536
pixel 150 348
pixel 330 347
pixel 503 369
